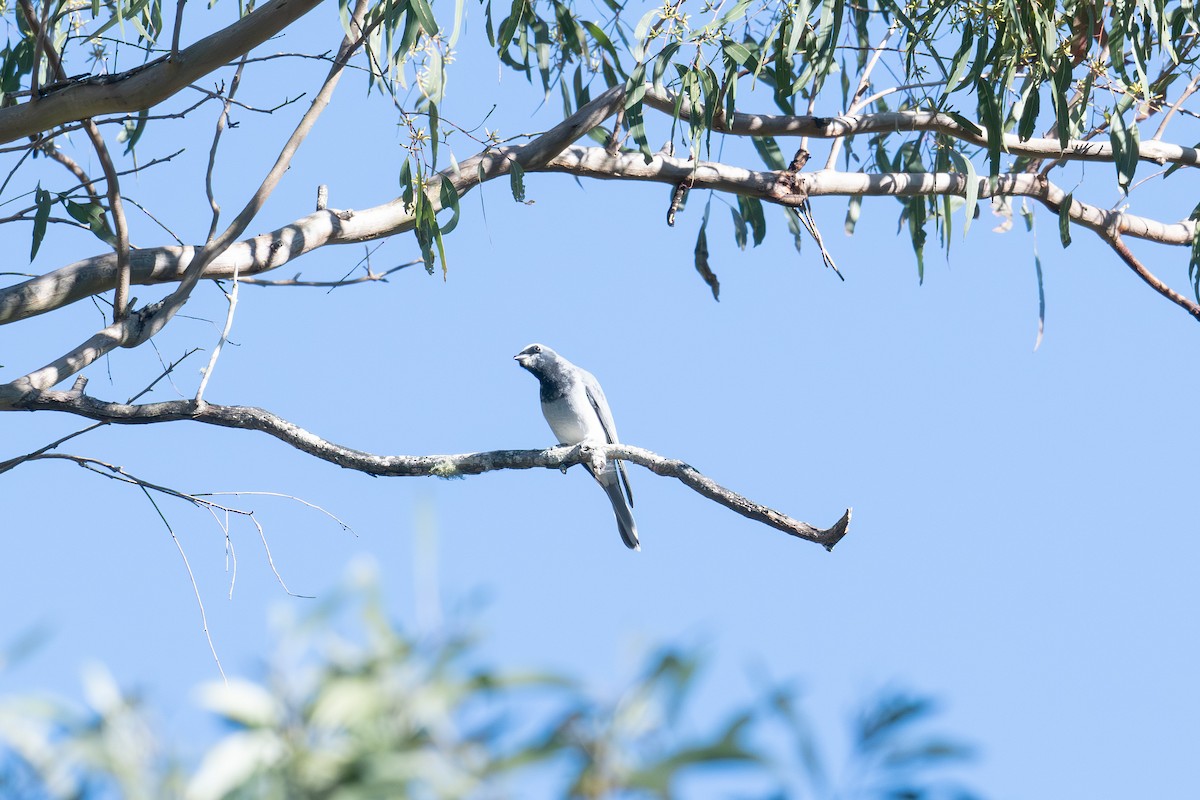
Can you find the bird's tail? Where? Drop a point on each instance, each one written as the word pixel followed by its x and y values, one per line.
pixel 625 523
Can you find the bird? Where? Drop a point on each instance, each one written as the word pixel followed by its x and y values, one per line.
pixel 575 407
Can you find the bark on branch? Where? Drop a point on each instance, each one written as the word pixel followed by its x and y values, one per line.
pixel 744 124
pixel 149 84
pixel 441 466
pixel 269 251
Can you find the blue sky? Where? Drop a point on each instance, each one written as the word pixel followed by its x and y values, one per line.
pixel 1023 543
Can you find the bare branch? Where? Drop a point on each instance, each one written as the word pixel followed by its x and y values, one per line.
pixel 147 322
pixel 864 83
pixel 1193 84
pixel 442 466
pixel 369 277
pixel 547 153
pixel 222 120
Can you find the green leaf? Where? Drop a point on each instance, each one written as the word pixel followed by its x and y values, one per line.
pixel 1064 220
pixel 701 253
pixel 1062 114
pixel 966 123
pixel 739 54
pixel 752 212
pixel 1029 113
pixel 601 38
pixel 508 27
pixel 989 113
pixel 424 14
pixel 635 90
pixel 1126 143
pixel 914 212
pixel 433 132
pixel 41 218
pixel 958 65
pixel 768 150
pixel 732 15
pixel 516 179
pixel 449 198
pixel 1037 265
pixel 406 184
pixel 92 215
pixel 971 193
pixel 853 210
pixel 661 62
pixel 739 228
pixel 132 130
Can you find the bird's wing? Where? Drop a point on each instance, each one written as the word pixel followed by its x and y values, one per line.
pixel 595 396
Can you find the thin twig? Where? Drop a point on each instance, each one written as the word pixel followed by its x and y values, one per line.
pixel 155 220
pixel 864 83
pixel 191 577
pixel 232 297
pixel 344 526
pixel 1176 106
pixel 367 278
pixel 52 150
pixel 222 120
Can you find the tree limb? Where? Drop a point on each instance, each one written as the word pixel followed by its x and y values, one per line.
pixel 744 124
pixel 139 327
pixel 441 466
pixel 269 251
pixel 149 84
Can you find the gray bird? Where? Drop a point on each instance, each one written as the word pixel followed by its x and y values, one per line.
pixel 574 405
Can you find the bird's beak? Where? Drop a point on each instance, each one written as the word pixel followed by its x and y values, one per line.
pixel 520 358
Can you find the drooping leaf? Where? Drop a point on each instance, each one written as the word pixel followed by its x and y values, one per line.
pixel 132 130
pixel 41 218
pixel 91 214
pixel 993 122
pixel 1126 144
pixel 739 228
pixel 424 14
pixel 1064 220
pixel 434 134
pixel 1037 265
pixel 516 180
pixel 449 199
pixel 1029 113
pixel 971 194
pixel 508 27
pixel 702 266
pixel 752 212
pixel 768 150
pixel 853 210
pixel 406 183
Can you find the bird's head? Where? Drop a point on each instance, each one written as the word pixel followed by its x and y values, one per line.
pixel 537 358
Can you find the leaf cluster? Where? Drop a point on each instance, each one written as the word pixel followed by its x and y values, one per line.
pixel 385 713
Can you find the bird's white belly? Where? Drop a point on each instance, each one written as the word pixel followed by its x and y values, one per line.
pixel 569 416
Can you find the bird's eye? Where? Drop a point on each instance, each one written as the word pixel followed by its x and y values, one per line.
pixel 537 348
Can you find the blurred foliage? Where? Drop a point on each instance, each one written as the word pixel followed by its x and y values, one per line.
pixel 379 713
